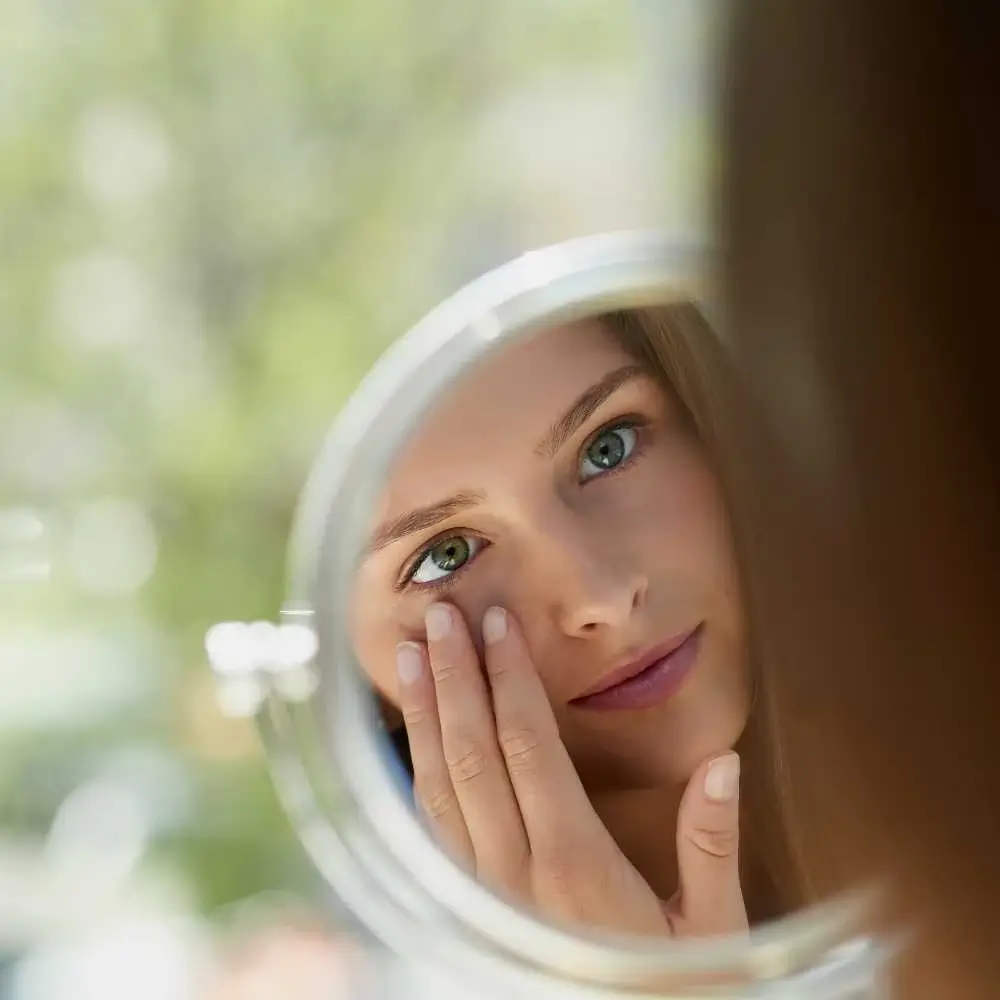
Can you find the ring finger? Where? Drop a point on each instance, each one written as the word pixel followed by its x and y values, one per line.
pixel 433 789
pixel 475 763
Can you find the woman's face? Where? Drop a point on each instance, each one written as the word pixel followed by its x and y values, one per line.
pixel 559 481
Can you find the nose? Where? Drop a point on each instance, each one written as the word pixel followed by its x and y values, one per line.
pixel 593 588
pixel 602 604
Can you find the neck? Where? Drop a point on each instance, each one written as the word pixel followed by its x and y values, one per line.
pixel 643 822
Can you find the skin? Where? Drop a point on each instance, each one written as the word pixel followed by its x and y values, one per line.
pixel 593 564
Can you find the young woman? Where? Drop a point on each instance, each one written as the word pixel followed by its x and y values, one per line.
pixel 551 602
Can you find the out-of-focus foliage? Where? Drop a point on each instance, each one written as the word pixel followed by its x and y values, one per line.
pixel 213 217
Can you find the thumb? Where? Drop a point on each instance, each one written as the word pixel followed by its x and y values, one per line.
pixel 711 899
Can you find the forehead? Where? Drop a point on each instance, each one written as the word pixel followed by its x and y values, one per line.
pixel 495 414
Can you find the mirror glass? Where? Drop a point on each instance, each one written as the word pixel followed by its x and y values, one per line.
pixel 547 611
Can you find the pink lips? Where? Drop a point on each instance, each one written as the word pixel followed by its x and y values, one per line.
pixel 648 680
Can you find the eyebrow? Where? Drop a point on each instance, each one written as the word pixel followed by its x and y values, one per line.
pixel 584 406
pixel 422 518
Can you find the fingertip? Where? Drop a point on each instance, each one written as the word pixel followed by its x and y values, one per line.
pixel 494 625
pixel 438 621
pixel 409 663
pixel 722 779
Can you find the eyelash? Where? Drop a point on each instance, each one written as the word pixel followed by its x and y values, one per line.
pixel 631 421
pixel 434 586
pixel 634 422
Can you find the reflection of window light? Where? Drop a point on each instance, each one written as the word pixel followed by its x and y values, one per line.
pixel 239 651
pixel 542 269
pixel 235 654
pixel 241 697
pixel 488 326
pixel 294 645
pixel 113 547
pixel 236 648
pixel 229 646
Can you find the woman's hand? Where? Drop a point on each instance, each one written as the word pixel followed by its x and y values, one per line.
pixel 499 791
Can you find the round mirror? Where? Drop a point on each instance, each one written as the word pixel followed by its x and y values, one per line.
pixel 512 704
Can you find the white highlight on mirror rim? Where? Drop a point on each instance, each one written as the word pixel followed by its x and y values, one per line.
pixel 249 658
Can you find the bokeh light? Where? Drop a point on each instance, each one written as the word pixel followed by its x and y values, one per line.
pixel 113 547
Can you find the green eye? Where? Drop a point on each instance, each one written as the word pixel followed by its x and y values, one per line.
pixel 444 558
pixel 607 450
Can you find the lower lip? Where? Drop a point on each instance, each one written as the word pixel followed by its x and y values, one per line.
pixel 656 683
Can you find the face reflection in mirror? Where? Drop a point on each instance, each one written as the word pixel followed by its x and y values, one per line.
pixel 563 480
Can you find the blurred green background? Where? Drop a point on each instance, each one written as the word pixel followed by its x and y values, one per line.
pixel 213 218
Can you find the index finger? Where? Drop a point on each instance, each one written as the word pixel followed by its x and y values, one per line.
pixel 468 739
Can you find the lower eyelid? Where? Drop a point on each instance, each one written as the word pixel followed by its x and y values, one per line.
pixel 637 453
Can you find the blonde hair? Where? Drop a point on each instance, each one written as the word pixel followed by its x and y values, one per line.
pixel 677 345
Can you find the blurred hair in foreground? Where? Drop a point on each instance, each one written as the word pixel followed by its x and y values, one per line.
pixel 860 203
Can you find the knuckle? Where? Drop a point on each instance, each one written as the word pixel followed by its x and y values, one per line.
pixel 468 763
pixel 438 802
pixel 445 669
pixel 562 865
pixel 718 843
pixel 496 666
pixel 414 716
pixel 504 868
pixel 520 748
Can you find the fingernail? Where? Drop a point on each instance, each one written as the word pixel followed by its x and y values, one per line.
pixel 409 662
pixel 437 621
pixel 494 625
pixel 723 778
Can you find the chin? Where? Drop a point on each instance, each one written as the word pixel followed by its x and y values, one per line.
pixel 677 768
pixel 635 768
pixel 671 756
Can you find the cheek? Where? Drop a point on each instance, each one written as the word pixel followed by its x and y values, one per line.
pixel 374 636
pixel 704 539
pixel 702 519
pixel 680 511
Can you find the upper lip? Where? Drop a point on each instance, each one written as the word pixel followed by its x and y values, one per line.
pixel 634 667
